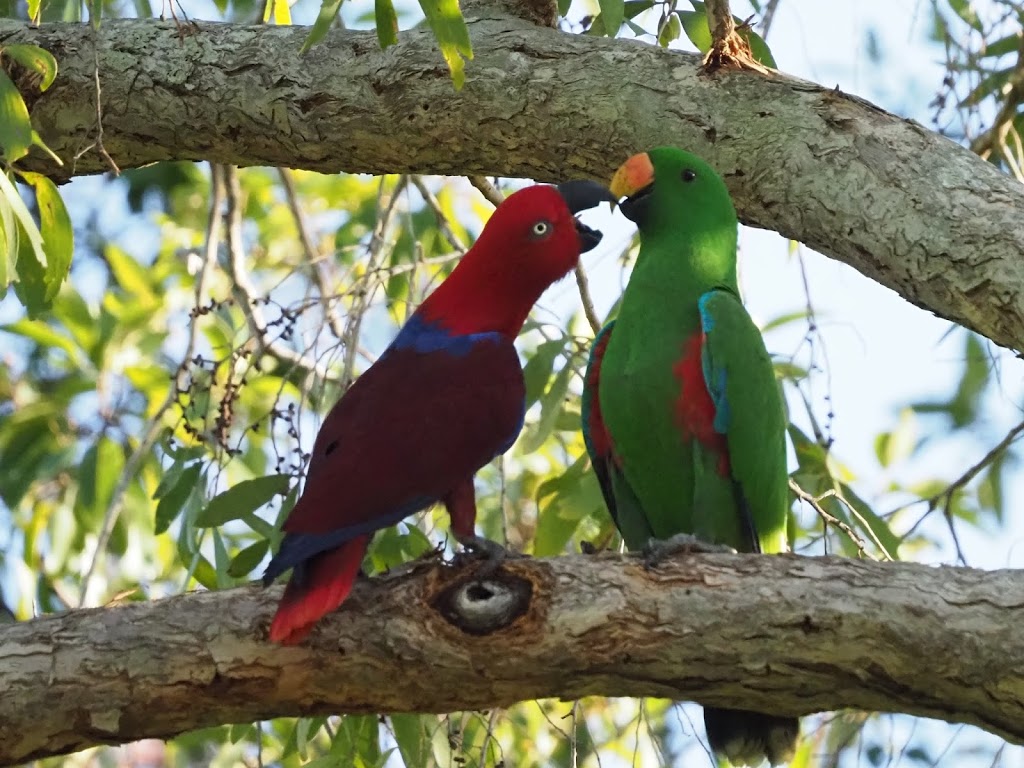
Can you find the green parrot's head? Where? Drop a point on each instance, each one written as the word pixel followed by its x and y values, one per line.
pixel 667 187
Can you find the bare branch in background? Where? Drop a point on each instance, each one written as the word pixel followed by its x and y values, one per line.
pixel 246 295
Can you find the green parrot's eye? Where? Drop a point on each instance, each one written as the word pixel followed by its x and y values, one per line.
pixel 689 174
pixel 541 228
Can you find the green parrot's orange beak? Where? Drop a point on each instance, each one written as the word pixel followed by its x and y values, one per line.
pixel 632 176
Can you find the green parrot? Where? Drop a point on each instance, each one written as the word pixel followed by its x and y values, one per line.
pixel 682 416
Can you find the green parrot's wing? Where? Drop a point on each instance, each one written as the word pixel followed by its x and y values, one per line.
pixel 749 412
pixel 619 496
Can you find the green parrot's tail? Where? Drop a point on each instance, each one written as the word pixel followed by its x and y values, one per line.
pixel 748 738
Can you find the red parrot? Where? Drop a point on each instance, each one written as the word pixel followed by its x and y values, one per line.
pixel 445 398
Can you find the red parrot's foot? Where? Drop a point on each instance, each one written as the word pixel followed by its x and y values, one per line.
pixel 491 552
pixel 658 550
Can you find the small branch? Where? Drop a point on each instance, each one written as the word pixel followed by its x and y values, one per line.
pixel 829 518
pixel 488 190
pixel 787 634
pixel 442 220
pixel 313 259
pixel 585 298
pixel 729 49
pixel 363 290
pixel 245 292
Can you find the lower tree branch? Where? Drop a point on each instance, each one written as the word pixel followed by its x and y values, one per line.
pixel 788 634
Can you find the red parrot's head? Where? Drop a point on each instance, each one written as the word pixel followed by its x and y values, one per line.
pixel 532 240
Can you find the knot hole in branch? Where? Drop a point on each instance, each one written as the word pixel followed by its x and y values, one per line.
pixel 482 606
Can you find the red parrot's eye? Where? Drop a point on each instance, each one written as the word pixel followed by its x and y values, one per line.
pixel 541 228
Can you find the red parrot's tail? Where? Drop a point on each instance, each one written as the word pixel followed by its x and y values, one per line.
pixel 325 585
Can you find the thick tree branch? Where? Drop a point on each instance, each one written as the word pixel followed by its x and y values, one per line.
pixel 793 634
pixel 904 206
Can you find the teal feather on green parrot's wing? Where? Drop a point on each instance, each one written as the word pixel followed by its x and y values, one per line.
pixel 748 410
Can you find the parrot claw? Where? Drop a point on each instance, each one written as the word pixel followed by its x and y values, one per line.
pixel 658 550
pixel 491 552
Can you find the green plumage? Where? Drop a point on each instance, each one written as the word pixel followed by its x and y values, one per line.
pixel 683 416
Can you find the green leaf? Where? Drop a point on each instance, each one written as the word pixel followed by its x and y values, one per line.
pixel 132 276
pixel 412 738
pixel 538 368
pixel 28 224
pixel 173 500
pixel 965 11
pixel 387 22
pixel 564 502
pixel 279 10
pixel 8 245
pixel 563 7
pixel 695 25
pixel 876 525
pixel 98 474
pixel 324 19
pixel 243 563
pixel 15 125
pixel 247 496
pixel 633 8
pixel 551 405
pixel 34 58
pixel 612 12
pixel 897 445
pixel 56 230
pixel 44 335
pixel 670 30
pixel 34 7
pixel 1002 46
pixel 445 18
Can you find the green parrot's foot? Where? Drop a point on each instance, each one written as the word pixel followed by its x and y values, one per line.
pixel 659 550
pixel 588 548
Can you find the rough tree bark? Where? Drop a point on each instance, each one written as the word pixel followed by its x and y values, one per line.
pixel 904 206
pixel 794 634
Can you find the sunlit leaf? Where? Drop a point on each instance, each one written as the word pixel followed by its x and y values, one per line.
pixel 15 125
pixel 551 404
pixel 243 563
pixel 173 499
pixel 242 498
pixel 445 19
pixel 55 230
pixel 612 12
pixel 324 19
pixel 538 368
pixel 279 11
pixel 386 22
pixel 36 59
pixel 671 29
pixel 98 475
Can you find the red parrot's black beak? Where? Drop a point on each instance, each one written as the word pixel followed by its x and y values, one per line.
pixel 582 195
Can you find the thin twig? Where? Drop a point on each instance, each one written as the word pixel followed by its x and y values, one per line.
pixel 830 519
pixel 155 427
pixel 588 302
pixel 313 260
pixel 488 190
pixel 363 293
pixel 98 144
pixel 442 220
pixel 244 292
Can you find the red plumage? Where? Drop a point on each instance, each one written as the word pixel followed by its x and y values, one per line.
pixel 694 409
pixel 444 399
